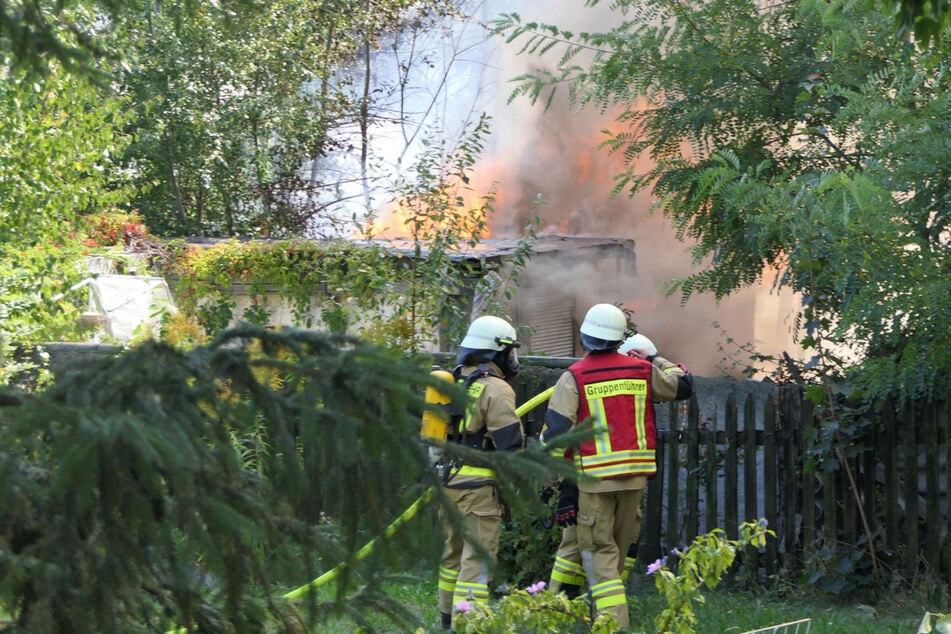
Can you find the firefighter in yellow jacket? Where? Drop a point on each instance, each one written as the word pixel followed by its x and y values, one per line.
pixel 616 393
pixel 487 360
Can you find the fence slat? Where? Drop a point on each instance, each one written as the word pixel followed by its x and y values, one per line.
pixel 889 452
pixel 769 483
pixel 808 477
pixel 691 496
pixel 731 470
pixel 943 423
pixel 790 483
pixel 932 484
pixel 750 481
pixel 673 481
pixel 910 491
pixel 711 471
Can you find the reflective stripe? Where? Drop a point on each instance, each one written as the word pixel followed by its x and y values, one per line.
pixel 475 391
pixel 623 463
pixel 447 579
pixel 618 463
pixel 470 591
pixel 567 572
pixel 608 594
pixel 629 563
pixel 466 470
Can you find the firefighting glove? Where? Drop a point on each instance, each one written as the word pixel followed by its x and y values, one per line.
pixel 566 513
pixel 547 493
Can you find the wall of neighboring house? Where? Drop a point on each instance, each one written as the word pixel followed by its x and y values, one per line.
pixel 551 292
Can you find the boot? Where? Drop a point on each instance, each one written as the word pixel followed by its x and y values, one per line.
pixel 446 620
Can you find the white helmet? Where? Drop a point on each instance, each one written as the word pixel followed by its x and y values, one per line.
pixel 489 333
pixel 606 323
pixel 638 342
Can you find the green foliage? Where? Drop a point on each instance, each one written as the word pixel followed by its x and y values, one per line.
pixel 921 21
pixel 800 140
pixel 838 569
pixel 526 548
pixel 261 130
pixel 193 488
pixel 37 34
pixel 347 280
pixel 700 566
pixel 58 145
pixel 534 610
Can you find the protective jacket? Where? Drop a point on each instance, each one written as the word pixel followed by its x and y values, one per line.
pixel 615 392
pixel 489 423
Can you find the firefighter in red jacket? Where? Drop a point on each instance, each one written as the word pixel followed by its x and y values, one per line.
pixel 487 360
pixel 615 392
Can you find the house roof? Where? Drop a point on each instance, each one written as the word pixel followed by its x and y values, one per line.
pixel 490 251
pixel 498 249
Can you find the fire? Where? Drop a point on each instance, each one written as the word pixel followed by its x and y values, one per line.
pixel 499 197
pixel 461 206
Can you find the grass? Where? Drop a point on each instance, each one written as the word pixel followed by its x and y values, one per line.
pixel 724 612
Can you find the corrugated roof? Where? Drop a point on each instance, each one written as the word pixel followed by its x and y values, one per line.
pixel 501 248
pixel 490 250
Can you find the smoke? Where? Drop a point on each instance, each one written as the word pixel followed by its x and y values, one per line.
pixel 553 154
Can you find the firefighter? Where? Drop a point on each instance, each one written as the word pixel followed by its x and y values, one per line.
pixel 487 360
pixel 615 392
pixel 567 574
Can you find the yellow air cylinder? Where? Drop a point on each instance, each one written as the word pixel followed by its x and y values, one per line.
pixel 436 421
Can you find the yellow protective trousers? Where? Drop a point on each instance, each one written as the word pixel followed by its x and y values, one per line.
pixel 607 524
pixel 464 575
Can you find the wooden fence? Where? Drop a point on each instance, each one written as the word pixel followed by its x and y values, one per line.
pixel 744 450
pixel 883 492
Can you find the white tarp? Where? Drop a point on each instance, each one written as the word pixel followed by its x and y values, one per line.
pixel 129 304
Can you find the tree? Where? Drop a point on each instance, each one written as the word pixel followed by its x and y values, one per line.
pixel 263 130
pixel 162 488
pixel 800 136
pixel 58 161
pixel 34 33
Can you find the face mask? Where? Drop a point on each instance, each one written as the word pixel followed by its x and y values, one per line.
pixel 511 368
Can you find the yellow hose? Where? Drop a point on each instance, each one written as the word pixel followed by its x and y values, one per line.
pixel 407 515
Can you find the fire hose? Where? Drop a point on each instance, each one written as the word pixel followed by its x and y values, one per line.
pixel 394 526
pixel 407 515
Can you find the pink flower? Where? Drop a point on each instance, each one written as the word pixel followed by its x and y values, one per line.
pixel 535 588
pixel 463 606
pixel 657 565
